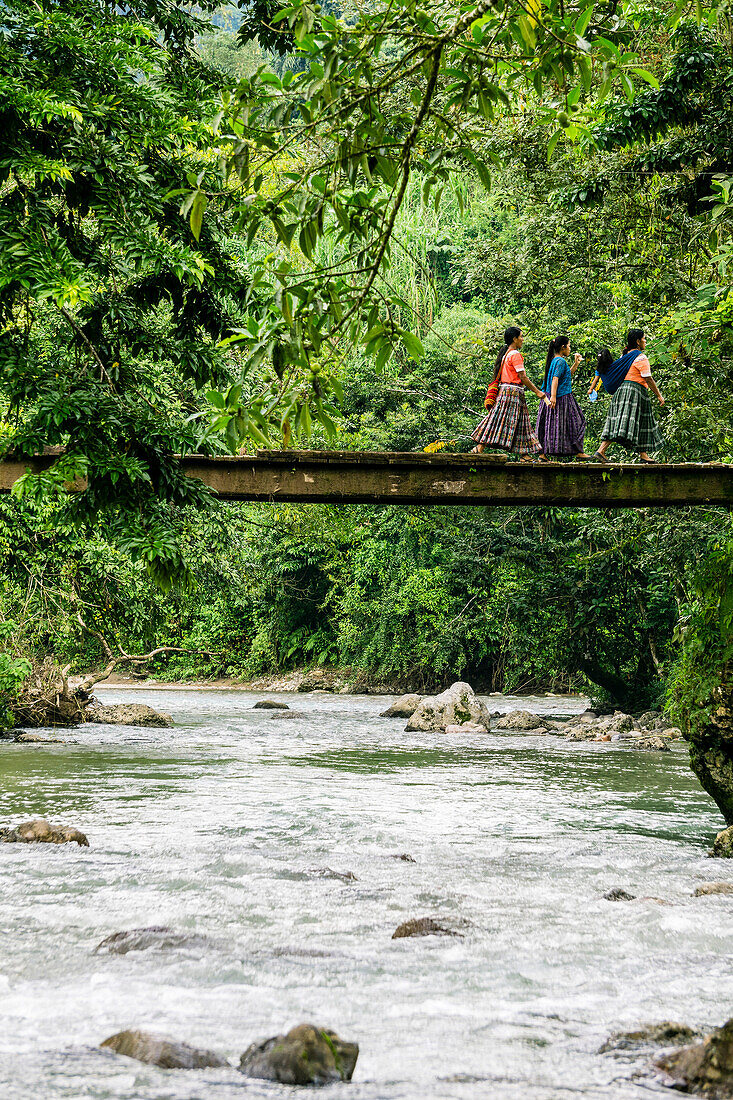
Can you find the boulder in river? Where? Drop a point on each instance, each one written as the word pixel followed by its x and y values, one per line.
pixel 128 714
pixel 156 1050
pixel 307 1055
pixel 40 832
pixel 456 706
pixel 519 720
pixel 705 1067
pixel 421 926
pixel 652 743
pixel 404 856
pixel 404 707
pixel 157 936
pixel 723 844
pixel 713 888
pixel 467 727
pixel 617 894
pixel 665 1034
pixel 270 704
pixel 282 715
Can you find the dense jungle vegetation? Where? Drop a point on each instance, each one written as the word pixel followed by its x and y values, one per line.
pixel 236 227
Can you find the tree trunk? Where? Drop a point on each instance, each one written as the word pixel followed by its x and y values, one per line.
pixel 711 748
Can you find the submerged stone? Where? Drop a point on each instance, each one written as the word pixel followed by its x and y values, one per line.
pixel 307 1055
pixel 713 888
pixel 617 894
pixel 40 832
pixel 404 857
pixel 665 1034
pixel 157 1050
pixel 157 936
pixel 421 926
pixel 270 704
pixel 328 872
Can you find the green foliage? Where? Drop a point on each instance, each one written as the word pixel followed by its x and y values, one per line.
pixel 13 673
pixel 706 630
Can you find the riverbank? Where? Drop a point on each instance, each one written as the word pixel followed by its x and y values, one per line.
pixel 298 681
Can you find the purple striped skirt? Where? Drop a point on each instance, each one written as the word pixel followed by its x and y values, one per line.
pixel 561 430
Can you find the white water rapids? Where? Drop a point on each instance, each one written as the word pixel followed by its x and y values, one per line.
pixel 217 827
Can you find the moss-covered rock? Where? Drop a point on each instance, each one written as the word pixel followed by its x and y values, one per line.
pixel 307 1055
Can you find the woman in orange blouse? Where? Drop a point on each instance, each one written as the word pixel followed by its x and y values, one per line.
pixel 507 424
pixel 630 420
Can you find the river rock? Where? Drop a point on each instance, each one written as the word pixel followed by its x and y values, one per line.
pixel 723 844
pixel 40 832
pixel 705 1067
pixel 664 1034
pixel 282 715
pixel 467 727
pixel 24 738
pixel 328 872
pixel 671 733
pixel 157 936
pixel 622 722
pixel 421 926
pixel 519 720
pixel 404 707
pixel 456 706
pixel 404 857
pixel 270 704
pixel 653 743
pixel 307 1055
pixel 156 1050
pixel 128 714
pixel 617 894
pixel 713 888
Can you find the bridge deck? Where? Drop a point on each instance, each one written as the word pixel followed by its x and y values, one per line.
pixel 366 477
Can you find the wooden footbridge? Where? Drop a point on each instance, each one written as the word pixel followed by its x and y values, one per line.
pixel 367 477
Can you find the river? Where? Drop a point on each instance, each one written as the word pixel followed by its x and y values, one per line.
pixel 218 825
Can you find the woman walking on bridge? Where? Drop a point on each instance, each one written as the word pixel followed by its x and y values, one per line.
pixel 561 423
pixel 507 424
pixel 630 420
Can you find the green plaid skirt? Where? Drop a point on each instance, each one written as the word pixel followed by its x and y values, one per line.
pixel 630 420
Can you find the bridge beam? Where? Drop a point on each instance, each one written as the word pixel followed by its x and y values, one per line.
pixel 366 477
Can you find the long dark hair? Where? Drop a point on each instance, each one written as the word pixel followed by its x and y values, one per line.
pixel 605 360
pixel 554 349
pixel 633 336
pixel 510 336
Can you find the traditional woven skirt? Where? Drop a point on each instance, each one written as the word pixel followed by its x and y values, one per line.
pixel 561 430
pixel 507 424
pixel 630 420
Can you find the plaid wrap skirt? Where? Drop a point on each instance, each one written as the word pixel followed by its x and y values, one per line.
pixel 561 430
pixel 630 420
pixel 507 424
